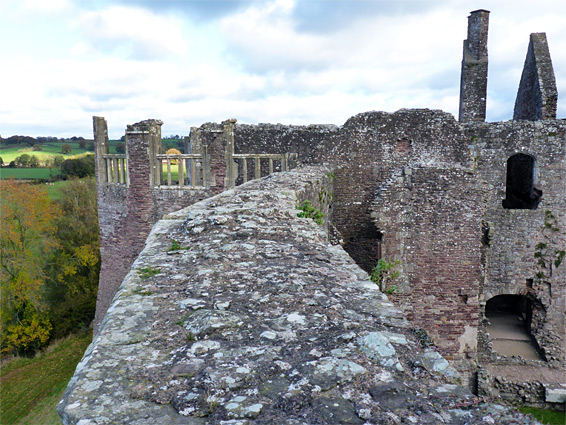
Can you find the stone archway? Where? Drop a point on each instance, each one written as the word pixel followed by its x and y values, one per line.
pixel 510 318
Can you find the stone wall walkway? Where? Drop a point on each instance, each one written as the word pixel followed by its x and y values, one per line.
pixel 240 312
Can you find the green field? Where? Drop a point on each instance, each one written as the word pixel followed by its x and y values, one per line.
pixel 49 149
pixel 31 388
pixel 54 189
pixel 27 173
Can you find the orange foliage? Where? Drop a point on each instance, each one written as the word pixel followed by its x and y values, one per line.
pixel 28 224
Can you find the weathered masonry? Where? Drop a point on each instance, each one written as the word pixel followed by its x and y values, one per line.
pixel 238 312
pixel 137 188
pixel 473 212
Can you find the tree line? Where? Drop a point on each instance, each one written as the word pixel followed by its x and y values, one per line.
pixel 31 141
pixel 49 263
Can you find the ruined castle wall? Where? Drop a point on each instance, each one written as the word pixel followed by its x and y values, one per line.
pixel 258 319
pixel 214 136
pixel 374 147
pixel 278 138
pixel 114 244
pixel 127 213
pixel 432 223
pixel 515 233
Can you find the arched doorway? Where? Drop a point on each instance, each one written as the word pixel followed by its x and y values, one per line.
pixel 510 318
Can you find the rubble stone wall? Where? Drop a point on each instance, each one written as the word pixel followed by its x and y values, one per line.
pixel 257 318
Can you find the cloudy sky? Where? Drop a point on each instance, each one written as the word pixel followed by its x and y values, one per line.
pixel 187 62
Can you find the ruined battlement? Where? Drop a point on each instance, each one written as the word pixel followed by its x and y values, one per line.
pixel 253 317
pixel 472 213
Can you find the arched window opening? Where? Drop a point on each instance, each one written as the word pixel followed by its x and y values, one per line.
pixel 510 318
pixel 520 192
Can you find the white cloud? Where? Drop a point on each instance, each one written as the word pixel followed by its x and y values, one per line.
pixel 262 63
pixel 133 32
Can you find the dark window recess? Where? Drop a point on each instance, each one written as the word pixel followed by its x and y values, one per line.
pixel 365 247
pixel 520 192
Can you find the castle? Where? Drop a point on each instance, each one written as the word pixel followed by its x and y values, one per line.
pixel 472 213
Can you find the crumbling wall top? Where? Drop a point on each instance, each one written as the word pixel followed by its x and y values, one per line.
pixel 144 125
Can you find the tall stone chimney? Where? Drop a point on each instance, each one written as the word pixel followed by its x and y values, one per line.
pixel 473 80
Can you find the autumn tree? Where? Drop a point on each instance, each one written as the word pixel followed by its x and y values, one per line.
pixel 66 148
pixel 173 151
pixel 75 266
pixel 26 240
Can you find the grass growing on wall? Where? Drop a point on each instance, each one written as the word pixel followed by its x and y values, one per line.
pixel 31 388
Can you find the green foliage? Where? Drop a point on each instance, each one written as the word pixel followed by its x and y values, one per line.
pixel 27 238
pixel 176 246
pixel 58 160
pixel 75 266
pixel 120 148
pixel 19 140
pixel 66 149
pixel 34 162
pixel 391 289
pixel 32 387
pixel 309 211
pixel 23 160
pixel 147 272
pixel 78 167
pixel 384 273
pixel 37 147
pixel 545 416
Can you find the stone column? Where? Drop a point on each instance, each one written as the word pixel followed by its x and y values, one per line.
pixel 100 128
pixel 473 79
pixel 231 166
pixel 143 144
